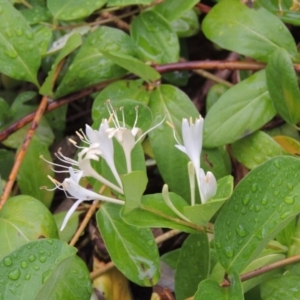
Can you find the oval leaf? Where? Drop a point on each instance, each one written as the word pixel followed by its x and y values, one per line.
pixel 259 208
pixel 239 111
pixel 258 32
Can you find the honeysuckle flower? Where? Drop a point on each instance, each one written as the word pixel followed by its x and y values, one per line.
pixel 126 137
pixel 73 190
pixel 192 136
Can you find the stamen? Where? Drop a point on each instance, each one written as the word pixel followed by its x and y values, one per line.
pixel 79 135
pixel 73 142
pixel 123 116
pixel 174 132
pixel 136 116
pixel 51 163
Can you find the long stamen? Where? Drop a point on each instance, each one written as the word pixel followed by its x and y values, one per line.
pixel 174 132
pixel 123 116
pixel 136 116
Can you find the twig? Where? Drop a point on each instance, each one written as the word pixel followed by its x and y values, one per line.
pixel 21 154
pixel 161 238
pixel 86 219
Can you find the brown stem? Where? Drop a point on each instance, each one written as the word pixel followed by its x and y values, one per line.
pixel 161 238
pixel 21 154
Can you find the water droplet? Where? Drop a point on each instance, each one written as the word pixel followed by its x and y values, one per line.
pixel 50 241
pixel 11 53
pixel 251 207
pixel 284 215
pixel 24 264
pixel 277 164
pixel 240 242
pixel 246 199
pixel 279 208
pixel 276 193
pixel 254 187
pixel 218 245
pixel 241 231
pixel 28 276
pixel 243 211
pixel 255 220
pixel 228 222
pixel 29 35
pixel 42 259
pixel 8 33
pixel 7 261
pixel 31 258
pixel 257 208
pixel 14 274
pixel 264 201
pixel 19 31
pixel 228 251
pixel 289 200
pixel 290 186
pixel 36 267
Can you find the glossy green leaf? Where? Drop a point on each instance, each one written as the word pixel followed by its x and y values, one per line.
pixel 156 213
pixel 155 39
pixel 279 288
pixel 192 266
pixel 240 111
pixel 171 258
pixel 211 290
pixel 187 25
pixel 169 100
pixel 133 250
pixel 37 14
pixel 128 2
pixel 133 65
pixel 173 9
pixel 283 87
pixel 286 13
pixel 23 219
pixel 118 91
pixel 73 9
pixel 71 226
pixel 214 93
pixel 200 214
pixel 289 144
pixel 73 42
pixel 44 269
pixel 42 38
pixel 262 204
pixel 134 185
pixel 34 171
pixel 19 56
pixel 258 32
pixel 255 149
pixel 90 66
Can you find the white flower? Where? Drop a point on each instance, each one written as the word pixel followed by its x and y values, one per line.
pixel 192 135
pixel 127 138
pixel 71 187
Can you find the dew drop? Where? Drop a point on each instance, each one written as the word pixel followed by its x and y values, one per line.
pixel 42 259
pixel 277 164
pixel 254 187
pixel 31 258
pixel 255 220
pixel 28 276
pixel 240 241
pixel 290 186
pixel 289 200
pixel 246 199
pixel 241 231
pixel 264 201
pixel 257 208
pixel 50 241
pixel 276 193
pixel 24 264
pixel 36 267
pixel 284 215
pixel 14 274
pixel 218 245
pixel 243 211
pixel 251 207
pixel 11 53
pixel 7 261
pixel 228 252
pixel 19 31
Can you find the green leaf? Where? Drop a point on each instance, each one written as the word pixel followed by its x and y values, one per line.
pixel 23 219
pixel 200 214
pixel 258 32
pixel 173 9
pixel 211 290
pixel 34 171
pixel 44 269
pixel 37 14
pixel 255 149
pixel 262 204
pixel 132 249
pixel 118 91
pixel 171 258
pixel 169 100
pixel 289 144
pixel 19 56
pixel 156 213
pixel 73 42
pixel 287 15
pixel 133 65
pixel 90 66
pixel 73 9
pixel 71 226
pixel 155 39
pixel 240 111
pixel 187 25
pixel 42 38
pixel 283 87
pixel 279 288
pixel 214 93
pixel 128 2
pixel 192 266
pixel 134 185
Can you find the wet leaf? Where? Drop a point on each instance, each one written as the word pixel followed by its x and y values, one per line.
pixel 289 144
